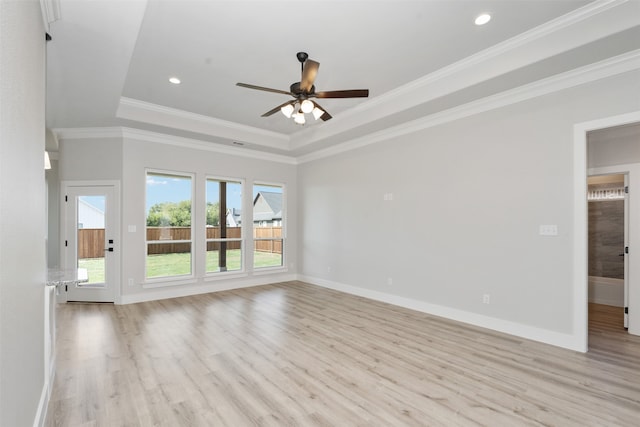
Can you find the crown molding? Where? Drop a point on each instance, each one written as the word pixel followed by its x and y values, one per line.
pixel 50 12
pixel 161 138
pixel 144 135
pixel 133 109
pixel 600 70
pixel 87 133
pixel 584 25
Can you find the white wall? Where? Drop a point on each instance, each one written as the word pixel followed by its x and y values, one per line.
pixel 468 199
pixel 90 159
pixel 605 290
pixel 614 146
pixel 22 214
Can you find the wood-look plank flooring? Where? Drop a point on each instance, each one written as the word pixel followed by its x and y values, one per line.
pixel 294 354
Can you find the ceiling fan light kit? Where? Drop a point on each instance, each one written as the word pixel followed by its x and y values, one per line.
pixel 303 90
pixel 287 110
pixel 299 118
pixel 307 106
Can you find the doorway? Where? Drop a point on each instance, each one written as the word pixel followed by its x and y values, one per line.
pixel 626 160
pixel 90 240
pixel 608 214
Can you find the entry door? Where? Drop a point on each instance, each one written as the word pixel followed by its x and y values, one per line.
pixel 625 250
pixel 91 232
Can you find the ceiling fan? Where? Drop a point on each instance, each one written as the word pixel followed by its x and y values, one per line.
pixel 303 91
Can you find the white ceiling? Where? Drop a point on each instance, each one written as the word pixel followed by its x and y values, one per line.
pixel 109 61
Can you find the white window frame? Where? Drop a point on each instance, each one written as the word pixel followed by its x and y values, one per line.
pixel 277 268
pixel 191 241
pixel 233 239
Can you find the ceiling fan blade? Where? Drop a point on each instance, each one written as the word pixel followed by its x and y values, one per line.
pixel 276 109
pixel 266 89
pixel 353 93
pixel 326 116
pixel 309 72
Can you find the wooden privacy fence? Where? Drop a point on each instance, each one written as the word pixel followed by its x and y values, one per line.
pixel 91 243
pixel 91 240
pixel 271 246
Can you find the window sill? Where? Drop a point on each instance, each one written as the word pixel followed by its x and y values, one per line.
pixel 269 270
pixel 212 277
pixel 163 283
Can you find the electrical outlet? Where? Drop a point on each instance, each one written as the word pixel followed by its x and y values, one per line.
pixel 486 299
pixel 130 282
pixel 389 281
pixel 328 269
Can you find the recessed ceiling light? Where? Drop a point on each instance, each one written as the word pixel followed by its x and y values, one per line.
pixel 174 80
pixel 483 19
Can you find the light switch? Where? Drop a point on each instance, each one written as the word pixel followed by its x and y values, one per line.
pixel 132 229
pixel 549 230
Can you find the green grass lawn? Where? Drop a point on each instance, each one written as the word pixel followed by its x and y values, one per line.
pixel 95 269
pixel 180 264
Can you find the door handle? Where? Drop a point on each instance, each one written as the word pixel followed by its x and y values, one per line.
pixel 108 249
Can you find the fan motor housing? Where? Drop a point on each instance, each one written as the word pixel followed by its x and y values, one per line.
pixel 295 89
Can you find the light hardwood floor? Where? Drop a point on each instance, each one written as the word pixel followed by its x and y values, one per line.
pixel 293 354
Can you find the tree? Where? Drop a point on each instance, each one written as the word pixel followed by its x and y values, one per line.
pixel 213 213
pixel 170 214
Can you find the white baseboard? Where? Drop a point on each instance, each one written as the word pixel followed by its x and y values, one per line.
pixel 557 339
pixel 607 291
pixel 177 291
pixel 43 404
pixel 41 413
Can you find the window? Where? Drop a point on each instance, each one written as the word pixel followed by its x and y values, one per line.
pixel 224 219
pixel 168 232
pixel 268 223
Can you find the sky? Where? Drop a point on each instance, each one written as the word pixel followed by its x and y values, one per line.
pixel 95 201
pixel 175 189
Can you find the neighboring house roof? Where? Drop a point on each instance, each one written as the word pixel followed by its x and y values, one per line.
pixel 234 217
pixel 267 206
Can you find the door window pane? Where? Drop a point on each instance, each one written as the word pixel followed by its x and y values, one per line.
pixel 91 239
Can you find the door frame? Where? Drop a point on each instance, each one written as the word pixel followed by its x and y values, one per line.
pixel 580 227
pixel 115 185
